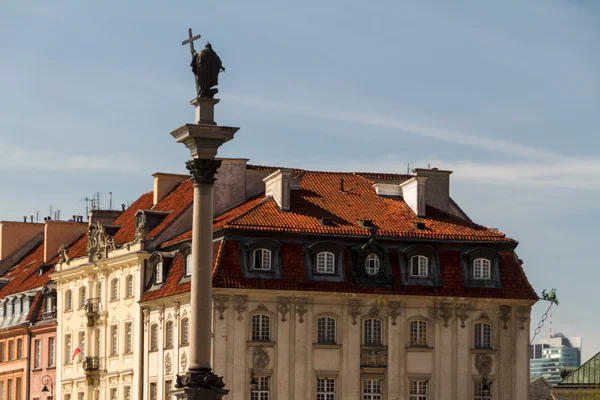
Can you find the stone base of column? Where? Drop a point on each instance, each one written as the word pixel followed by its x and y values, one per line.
pixel 200 384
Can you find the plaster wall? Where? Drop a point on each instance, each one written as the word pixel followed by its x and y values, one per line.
pixel 14 368
pixel 42 333
pixel 14 234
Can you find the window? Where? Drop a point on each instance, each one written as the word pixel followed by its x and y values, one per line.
pixel 373 332
pixel 185 334
pixel 1 316
pixel 326 330
pixel 51 350
pixel 10 389
pixel 168 385
pixel 2 351
pixel 129 286
pixel 188 264
pixel 113 393
pixel 418 333
pixel 262 391
pixel 372 264
pixel 262 259
pixel 81 345
pixel 325 263
pixel 169 334
pixel 419 266
pixel 127 393
pixel 483 336
pixel 154 337
pixel 114 289
pixel 128 337
pixel 114 340
pixel 158 272
pixel 68 300
pixel 81 396
pixel 482 269
pixel 19 349
pixel 1 390
pixel 68 349
pixel 17 306
pixel 261 328
pixel 372 389
pixel 82 297
pixel 479 392
pixel 18 389
pixel 11 350
pixel 325 388
pixel 418 390
pixel 37 363
pixel 25 305
pixel 9 308
pixel 153 391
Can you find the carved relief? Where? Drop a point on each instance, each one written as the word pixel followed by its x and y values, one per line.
pixel 177 308
pixel 374 312
pixel 483 363
pixel 283 306
pixel 220 304
pixel 183 361
pixel 262 307
pixel 522 315
pixel 394 311
pixel 63 254
pixel 203 170
pixel 161 314
pixel 240 304
pixel 373 358
pixel 146 313
pixel 141 226
pixel 446 310
pixel 100 243
pixel 260 358
pixel 168 364
pixel 300 304
pixel 354 309
pixel 462 312
pixel 505 315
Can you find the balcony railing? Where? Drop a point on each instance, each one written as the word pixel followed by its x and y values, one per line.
pixel 91 364
pixel 92 309
pixel 46 315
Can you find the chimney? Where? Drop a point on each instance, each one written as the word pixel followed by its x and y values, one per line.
pixel 105 217
pixel 278 186
pixel 13 235
pixel 57 233
pixel 230 184
pixel 164 183
pixel 413 192
pixel 437 193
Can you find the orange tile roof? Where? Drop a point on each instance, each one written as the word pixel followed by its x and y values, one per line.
pixel 26 274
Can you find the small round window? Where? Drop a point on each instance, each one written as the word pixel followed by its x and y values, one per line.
pixel 372 264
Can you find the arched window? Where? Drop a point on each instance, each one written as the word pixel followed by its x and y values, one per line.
pixel 114 289
pixel 372 264
pixel 419 266
pixel 68 300
pixel 326 330
pixel 418 333
pixel 482 269
pixel 483 336
pixel 373 332
pixel 82 296
pixel 325 263
pixel 261 328
pixel 154 337
pixel 169 334
pixel 188 264
pixel 129 286
pixel 185 331
pixel 262 259
pixel 158 272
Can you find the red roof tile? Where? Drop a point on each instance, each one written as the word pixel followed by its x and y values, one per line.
pixel 26 274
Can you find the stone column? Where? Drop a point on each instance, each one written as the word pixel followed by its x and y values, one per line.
pixel 203 140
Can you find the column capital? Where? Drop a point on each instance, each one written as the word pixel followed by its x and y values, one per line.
pixel 203 170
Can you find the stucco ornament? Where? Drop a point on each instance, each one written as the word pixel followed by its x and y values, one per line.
pixel 505 315
pixel 260 358
pixel 220 304
pixel 446 312
pixel 300 304
pixel 283 306
pixel 373 358
pixel 63 254
pixel 483 363
pixel 177 309
pixel 168 364
pixel 394 311
pixel 100 243
pixel 240 304
pixel 373 312
pixel 183 361
pixel 462 312
pixel 354 310
pixel 161 314
pixel 146 312
pixel 141 226
pixel 522 315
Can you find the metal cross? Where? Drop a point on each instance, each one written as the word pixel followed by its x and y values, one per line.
pixel 190 40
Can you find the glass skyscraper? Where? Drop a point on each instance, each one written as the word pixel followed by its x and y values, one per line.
pixel 547 358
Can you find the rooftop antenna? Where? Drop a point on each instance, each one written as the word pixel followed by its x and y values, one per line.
pixel 37 216
pixel 97 201
pixel 408 169
pixel 57 215
pixel 31 218
pixel 50 214
pixel 87 204
pixel 428 166
pixel 110 200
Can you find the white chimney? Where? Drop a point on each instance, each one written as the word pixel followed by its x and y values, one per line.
pixel 413 192
pixel 437 193
pixel 278 186
pixel 230 184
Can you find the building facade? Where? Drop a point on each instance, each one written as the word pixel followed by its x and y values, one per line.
pixel 552 355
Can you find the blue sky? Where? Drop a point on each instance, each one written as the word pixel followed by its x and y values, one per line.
pixel 505 94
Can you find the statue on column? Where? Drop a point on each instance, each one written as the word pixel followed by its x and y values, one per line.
pixel 206 66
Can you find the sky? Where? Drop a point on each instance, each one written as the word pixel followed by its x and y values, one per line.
pixel 505 94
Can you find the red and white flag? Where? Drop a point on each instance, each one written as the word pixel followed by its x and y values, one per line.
pixel 77 351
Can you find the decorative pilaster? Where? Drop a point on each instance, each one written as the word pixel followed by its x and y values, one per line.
pixel 146 312
pixel 523 313
pixel 300 304
pixel 505 315
pixel 394 311
pixel 203 170
pixel 283 306
pixel 220 304
pixel 354 309
pixel 462 312
pixel 445 311
pixel 240 303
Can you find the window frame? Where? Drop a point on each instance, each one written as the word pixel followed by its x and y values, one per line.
pixel 477 389
pixel 480 340
pixel 419 329
pixel 260 336
pixel 20 348
pixel 372 342
pixel 263 252
pixel 114 289
pixel 129 286
pixel 433 277
pixel 327 262
pixel 247 255
pixel 184 334
pixel 82 296
pixel 413 391
pixel 114 340
pixel 128 331
pixel 168 340
pixel 324 392
pixel 264 390
pixel 419 265
pixel 377 262
pixel 153 337
pixel 486 266
pixel 159 272
pixel 37 354
pixel 368 392
pixel 324 334
pixel 52 351
pixel 68 300
pixel 188 264
pixel 68 348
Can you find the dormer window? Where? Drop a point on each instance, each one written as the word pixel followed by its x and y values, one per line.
pixel 419 266
pixel 188 264
pixel 325 262
pixel 482 269
pixel 18 307
pixel 262 260
pixel 1 309
pixel 372 264
pixel 9 311
pixel 158 272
